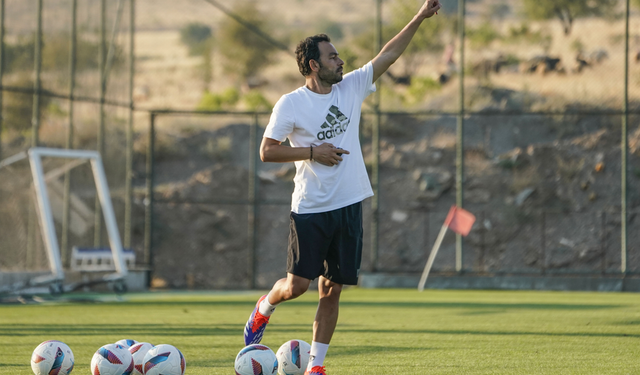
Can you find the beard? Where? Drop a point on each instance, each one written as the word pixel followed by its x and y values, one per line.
pixel 329 76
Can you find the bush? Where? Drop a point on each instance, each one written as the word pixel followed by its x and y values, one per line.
pixel 577 45
pixel 18 107
pixel 523 33
pixel 255 101
pixel 483 35
pixel 19 56
pixel 217 102
pixel 419 88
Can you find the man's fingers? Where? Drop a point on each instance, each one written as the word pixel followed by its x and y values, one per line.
pixel 328 154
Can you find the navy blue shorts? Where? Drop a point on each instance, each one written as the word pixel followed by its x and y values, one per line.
pixel 327 244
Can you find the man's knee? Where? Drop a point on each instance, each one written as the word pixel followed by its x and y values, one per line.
pixel 296 290
pixel 329 289
pixel 296 286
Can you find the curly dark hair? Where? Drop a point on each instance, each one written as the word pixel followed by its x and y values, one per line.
pixel 308 50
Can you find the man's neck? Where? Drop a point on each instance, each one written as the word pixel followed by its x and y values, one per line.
pixel 317 86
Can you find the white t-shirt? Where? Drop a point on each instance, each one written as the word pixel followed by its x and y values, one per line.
pixel 306 118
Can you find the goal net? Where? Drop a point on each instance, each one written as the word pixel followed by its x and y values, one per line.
pixel 32 208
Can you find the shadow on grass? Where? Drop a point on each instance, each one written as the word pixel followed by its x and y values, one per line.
pixel 629 323
pixel 368 304
pixel 292 329
pixel 480 305
pixel 336 351
pixel 120 329
pixel 16 330
pixel 487 333
pixel 343 351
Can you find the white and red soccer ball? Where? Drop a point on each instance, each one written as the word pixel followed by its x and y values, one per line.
pixel 293 357
pixel 138 351
pixel 164 359
pixel 256 359
pixel 127 343
pixel 112 359
pixel 52 357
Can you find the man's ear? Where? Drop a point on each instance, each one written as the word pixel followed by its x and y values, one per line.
pixel 313 64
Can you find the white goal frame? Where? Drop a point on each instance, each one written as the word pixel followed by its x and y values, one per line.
pixel 45 214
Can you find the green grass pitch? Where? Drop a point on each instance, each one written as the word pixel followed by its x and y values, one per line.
pixel 379 331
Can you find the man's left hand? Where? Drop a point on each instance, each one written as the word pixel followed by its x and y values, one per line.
pixel 429 8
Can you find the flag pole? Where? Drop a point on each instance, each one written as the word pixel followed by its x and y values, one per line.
pixel 432 257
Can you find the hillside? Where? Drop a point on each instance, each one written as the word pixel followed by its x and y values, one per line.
pixel 542 148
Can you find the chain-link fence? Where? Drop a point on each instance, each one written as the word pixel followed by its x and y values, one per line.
pixel 545 109
pixel 66 82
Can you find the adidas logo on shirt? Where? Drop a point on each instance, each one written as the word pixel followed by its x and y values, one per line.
pixel 336 123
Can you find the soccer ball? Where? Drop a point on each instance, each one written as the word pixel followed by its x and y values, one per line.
pixel 112 359
pixel 52 357
pixel 138 351
pixel 164 359
pixel 256 359
pixel 293 357
pixel 126 342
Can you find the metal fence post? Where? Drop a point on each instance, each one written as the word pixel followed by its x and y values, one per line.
pixel 460 135
pixel 375 150
pixel 483 232
pixel 97 238
pixel 35 119
pixel 64 240
pixel 543 240
pixel 32 230
pixel 148 213
pixel 625 151
pixel 603 241
pixel 129 168
pixel 253 208
pixel 2 16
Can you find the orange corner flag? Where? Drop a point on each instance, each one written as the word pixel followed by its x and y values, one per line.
pixel 460 220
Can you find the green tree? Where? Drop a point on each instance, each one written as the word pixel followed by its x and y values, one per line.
pixel 568 10
pixel 428 38
pixel 244 51
pixel 197 37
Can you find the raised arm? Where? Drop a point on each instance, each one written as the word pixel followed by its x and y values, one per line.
pixel 396 46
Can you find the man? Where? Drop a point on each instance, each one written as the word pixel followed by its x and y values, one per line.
pixel 321 121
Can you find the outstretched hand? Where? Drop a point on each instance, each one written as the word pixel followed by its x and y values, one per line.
pixel 328 154
pixel 429 8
